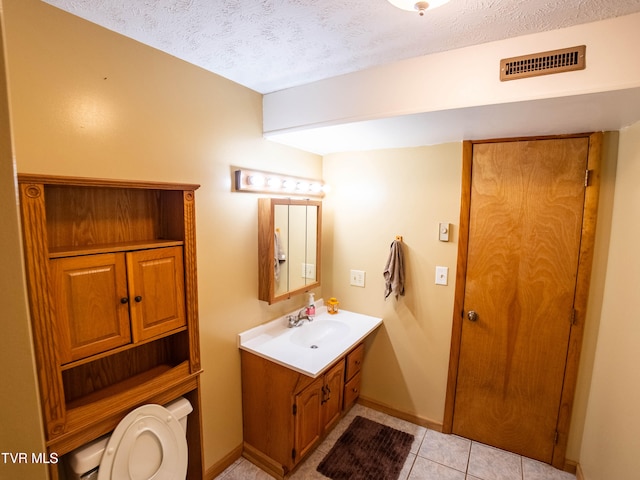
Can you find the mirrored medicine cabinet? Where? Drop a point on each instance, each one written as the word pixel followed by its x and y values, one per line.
pixel 289 250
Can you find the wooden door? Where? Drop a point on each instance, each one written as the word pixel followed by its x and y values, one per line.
pixel 308 420
pixel 90 299
pixel 333 394
pixel 523 256
pixel 156 289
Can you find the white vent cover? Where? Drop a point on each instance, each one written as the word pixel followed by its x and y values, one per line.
pixel 544 63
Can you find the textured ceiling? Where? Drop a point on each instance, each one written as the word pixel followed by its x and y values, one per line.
pixel 270 45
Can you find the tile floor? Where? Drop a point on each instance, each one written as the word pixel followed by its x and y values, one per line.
pixel 434 456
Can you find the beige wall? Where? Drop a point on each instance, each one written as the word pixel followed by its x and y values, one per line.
pixel 88 102
pixel 611 441
pixel 21 428
pixel 374 197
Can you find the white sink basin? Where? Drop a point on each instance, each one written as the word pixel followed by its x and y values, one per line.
pixel 312 347
pixel 317 334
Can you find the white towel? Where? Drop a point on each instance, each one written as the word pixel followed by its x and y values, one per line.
pixel 394 271
pixel 279 255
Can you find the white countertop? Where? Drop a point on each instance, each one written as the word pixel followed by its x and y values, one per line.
pixel 312 347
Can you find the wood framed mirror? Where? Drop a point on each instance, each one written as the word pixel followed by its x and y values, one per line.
pixel 289 250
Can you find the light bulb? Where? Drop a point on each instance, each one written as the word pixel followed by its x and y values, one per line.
pixel 255 180
pixel 288 184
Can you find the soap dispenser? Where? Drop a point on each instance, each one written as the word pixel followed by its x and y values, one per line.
pixel 311 307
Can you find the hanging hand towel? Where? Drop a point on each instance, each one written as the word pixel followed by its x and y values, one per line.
pixel 394 271
pixel 279 255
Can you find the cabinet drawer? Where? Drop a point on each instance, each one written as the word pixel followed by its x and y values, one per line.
pixel 351 391
pixel 354 361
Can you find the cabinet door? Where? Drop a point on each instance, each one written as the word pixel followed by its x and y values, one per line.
pixel 156 288
pixel 309 419
pixel 333 391
pixel 90 300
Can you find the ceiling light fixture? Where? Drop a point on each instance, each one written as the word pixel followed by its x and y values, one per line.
pixel 274 183
pixel 420 7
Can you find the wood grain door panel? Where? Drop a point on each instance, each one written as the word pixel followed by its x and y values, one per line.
pixel 309 417
pixel 526 208
pixel 156 287
pixel 333 395
pixel 90 298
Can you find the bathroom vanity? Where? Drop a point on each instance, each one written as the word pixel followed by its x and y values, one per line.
pixel 297 383
pixel 111 274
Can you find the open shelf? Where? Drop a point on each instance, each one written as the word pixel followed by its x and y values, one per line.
pixel 149 381
pixel 113 373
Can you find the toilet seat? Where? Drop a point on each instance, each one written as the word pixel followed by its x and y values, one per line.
pixel 152 433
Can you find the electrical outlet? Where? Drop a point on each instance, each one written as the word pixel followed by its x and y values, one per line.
pixel 357 278
pixel 442 275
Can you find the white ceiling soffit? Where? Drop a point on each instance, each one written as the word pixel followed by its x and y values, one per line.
pixel 574 114
pixel 270 45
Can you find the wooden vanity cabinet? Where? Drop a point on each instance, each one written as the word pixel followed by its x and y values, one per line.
pixel 286 413
pixel 111 274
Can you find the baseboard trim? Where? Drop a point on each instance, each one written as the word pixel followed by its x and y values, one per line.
pixel 381 407
pixel 224 463
pixel 570 466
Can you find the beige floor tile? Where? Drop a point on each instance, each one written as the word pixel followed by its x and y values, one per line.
pixel 490 463
pixel 449 450
pixel 244 470
pixel 534 470
pixel 434 456
pixel 424 469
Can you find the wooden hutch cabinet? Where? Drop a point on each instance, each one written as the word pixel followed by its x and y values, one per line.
pixel 111 272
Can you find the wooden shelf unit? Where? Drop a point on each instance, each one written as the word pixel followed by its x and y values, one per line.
pixel 84 396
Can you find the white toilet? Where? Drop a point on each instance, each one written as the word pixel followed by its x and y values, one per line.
pixel 148 444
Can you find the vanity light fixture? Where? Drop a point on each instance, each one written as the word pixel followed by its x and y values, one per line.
pixel 275 183
pixel 420 7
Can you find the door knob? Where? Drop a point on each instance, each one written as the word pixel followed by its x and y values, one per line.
pixel 472 316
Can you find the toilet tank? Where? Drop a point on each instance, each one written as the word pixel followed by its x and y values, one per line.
pixel 180 408
pixel 83 462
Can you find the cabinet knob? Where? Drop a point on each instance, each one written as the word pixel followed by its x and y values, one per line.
pixel 124 300
pixel 138 298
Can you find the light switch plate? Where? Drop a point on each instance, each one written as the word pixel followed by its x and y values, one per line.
pixel 442 275
pixel 357 278
pixel 443 232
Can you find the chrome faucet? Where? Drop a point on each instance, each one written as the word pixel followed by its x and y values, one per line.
pixel 297 319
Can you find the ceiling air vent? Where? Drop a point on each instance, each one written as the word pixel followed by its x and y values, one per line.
pixel 544 63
